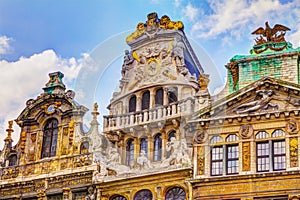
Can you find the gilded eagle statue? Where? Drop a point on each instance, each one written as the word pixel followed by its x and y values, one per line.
pixel 271 33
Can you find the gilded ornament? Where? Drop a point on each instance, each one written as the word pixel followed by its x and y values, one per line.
pixel 200 160
pixel 246 155
pixel 203 81
pixel 294 152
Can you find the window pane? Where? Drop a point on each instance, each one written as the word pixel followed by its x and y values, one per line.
pixel 217 160
pixel 263 160
pixel 279 161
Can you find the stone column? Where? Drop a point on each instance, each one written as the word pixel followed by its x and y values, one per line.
pixel 138 102
pixel 152 99
pixel 150 148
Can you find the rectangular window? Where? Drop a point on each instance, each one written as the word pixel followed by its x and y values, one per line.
pixel 270 152
pixel 263 156
pixel 279 155
pixel 232 159
pixel 217 161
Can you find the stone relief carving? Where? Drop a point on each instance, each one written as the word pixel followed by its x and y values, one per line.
pixel 143 162
pixel 246 131
pixel 292 126
pixel 109 165
pixel 261 101
pixel 200 137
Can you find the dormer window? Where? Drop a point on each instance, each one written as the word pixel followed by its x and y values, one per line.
pixel 50 138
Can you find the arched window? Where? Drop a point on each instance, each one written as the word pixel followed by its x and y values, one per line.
pixel 50 138
pixel 146 100
pixel 262 135
pixel 171 134
pixel 157 147
pixel 118 197
pixel 132 104
pixel 143 195
pixel 84 148
pixel 144 146
pixel 129 152
pixel 12 160
pixel 172 95
pixel 159 97
pixel 278 133
pixel 232 138
pixel 216 139
pixel 175 193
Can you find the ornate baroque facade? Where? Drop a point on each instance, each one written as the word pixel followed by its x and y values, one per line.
pixel 166 137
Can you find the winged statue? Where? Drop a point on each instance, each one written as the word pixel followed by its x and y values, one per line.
pixel 270 34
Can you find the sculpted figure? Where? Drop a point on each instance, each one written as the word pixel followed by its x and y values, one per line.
pixel 91 194
pixel 128 59
pixel 143 161
pixel 177 52
pixel 262 103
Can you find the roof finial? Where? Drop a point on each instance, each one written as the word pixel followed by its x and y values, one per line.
pixel 95 113
pixel 9 131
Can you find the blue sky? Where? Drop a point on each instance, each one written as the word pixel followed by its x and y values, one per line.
pixel 41 36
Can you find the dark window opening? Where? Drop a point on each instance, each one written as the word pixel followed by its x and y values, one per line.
pixel 50 138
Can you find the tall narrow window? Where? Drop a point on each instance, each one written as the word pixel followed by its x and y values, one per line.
pixel 172 96
pixel 159 97
pixel 232 162
pixel 132 104
pixel 50 138
pixel 130 152
pixel 146 100
pixel 144 146
pixel 157 147
pixel 263 156
pixel 217 160
pixel 279 155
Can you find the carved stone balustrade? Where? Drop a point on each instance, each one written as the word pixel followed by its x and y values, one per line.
pixel 113 122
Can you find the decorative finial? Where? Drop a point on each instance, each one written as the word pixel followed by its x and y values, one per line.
pixel 95 113
pixel 9 130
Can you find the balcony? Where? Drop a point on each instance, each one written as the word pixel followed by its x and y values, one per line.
pixel 176 109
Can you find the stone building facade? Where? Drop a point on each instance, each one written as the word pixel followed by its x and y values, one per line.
pixel 166 137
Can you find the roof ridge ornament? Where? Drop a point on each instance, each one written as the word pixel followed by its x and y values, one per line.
pixel 153 25
pixel 269 38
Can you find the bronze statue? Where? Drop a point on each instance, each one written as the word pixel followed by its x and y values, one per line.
pixel 271 33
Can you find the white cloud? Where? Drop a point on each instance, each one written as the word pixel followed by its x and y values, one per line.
pixel 25 78
pixel 190 12
pixel 177 3
pixel 4 44
pixel 235 17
